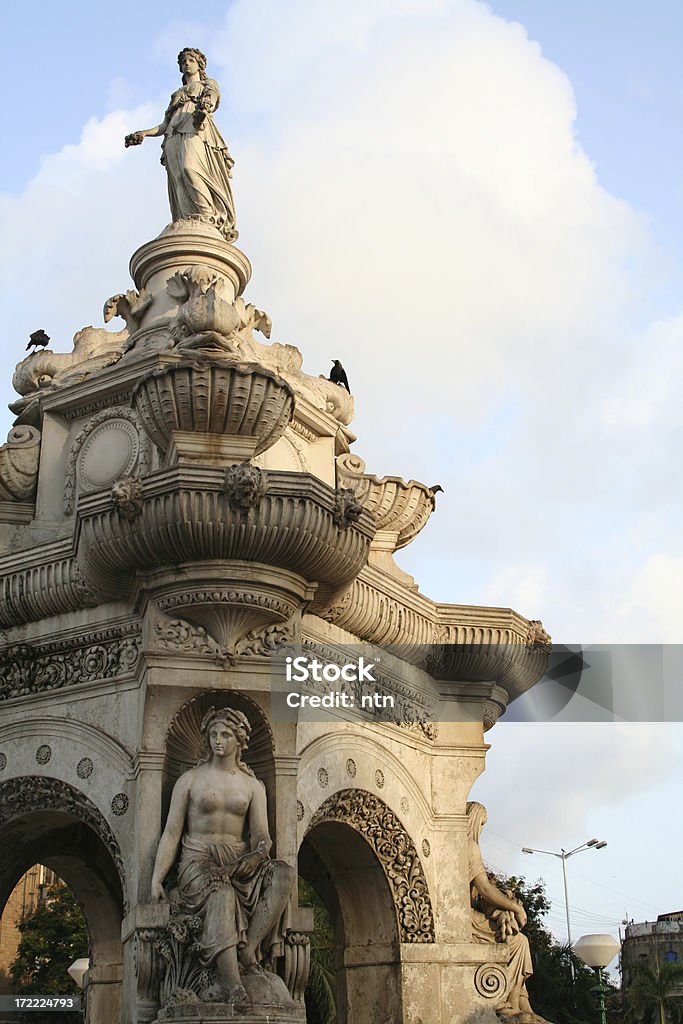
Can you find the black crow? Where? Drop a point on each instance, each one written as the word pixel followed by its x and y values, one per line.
pixel 338 375
pixel 38 338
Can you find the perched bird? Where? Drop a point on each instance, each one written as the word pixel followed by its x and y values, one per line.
pixel 434 490
pixel 38 338
pixel 338 375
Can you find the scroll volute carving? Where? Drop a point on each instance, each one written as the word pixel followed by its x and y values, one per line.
pixel 19 459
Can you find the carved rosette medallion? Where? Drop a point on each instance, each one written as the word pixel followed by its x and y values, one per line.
pixel 426 847
pixel 379 778
pixel 351 767
pixel 84 768
pixel 119 804
pixel 43 754
pixel 299 811
pixel 3 762
pixel 323 778
pixel 490 981
pixel 395 850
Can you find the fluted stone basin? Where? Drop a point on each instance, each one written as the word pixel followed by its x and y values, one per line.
pixel 400 507
pixel 216 397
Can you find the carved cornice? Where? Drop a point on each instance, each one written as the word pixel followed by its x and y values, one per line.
pixel 450 642
pixel 46 588
pixel 412 709
pixel 28 793
pixel 395 850
pixel 187 516
pixel 107 654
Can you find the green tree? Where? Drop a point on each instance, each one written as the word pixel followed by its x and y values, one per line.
pixel 651 996
pixel 51 939
pixel 320 995
pixel 561 988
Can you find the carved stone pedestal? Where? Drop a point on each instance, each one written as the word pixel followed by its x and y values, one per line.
pixel 213 1013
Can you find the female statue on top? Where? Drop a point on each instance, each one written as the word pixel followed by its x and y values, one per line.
pixel 198 164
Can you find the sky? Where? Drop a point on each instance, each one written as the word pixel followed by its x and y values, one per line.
pixel 478 208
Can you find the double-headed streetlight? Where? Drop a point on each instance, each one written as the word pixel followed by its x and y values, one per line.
pixel 564 855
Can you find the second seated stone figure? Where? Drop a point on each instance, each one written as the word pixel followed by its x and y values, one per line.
pixel 496 917
pixel 198 164
pixel 218 817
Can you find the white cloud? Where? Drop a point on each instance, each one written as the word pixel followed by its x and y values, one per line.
pixel 414 200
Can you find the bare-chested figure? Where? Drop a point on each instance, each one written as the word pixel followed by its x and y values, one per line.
pixel 225 876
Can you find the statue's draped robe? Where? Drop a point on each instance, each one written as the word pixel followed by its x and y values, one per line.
pixel 519 966
pixel 198 164
pixel 225 904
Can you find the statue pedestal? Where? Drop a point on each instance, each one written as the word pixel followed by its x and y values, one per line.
pixel 213 1013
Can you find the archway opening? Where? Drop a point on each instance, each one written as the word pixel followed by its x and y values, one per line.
pixel 77 855
pixel 348 877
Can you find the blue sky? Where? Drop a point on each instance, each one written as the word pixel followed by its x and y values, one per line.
pixel 480 210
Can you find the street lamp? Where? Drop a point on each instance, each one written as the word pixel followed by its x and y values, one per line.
pixel 564 855
pixel 597 951
pixel 78 970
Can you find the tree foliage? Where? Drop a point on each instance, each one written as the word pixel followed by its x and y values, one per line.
pixel 320 995
pixel 651 996
pixel 562 987
pixel 51 939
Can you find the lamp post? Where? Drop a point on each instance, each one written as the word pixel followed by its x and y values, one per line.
pixel 597 951
pixel 564 855
pixel 78 971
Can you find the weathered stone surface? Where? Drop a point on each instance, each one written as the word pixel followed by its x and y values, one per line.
pixel 179 507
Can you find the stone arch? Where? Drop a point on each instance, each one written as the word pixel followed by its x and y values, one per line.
pixel 47 821
pixel 183 747
pixel 364 865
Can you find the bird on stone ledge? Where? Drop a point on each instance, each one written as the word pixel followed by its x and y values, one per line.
pixel 338 375
pixel 434 490
pixel 38 338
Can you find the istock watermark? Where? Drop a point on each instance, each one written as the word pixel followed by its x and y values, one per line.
pixel 305 670
pixel 421 685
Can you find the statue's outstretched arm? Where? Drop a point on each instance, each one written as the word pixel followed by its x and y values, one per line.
pixel 136 138
pixel 168 844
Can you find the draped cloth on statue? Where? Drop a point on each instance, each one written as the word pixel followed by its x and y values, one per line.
pixel 198 165
pixel 208 889
pixel 484 929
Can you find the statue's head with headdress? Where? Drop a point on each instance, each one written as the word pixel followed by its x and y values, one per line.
pixel 190 51
pixel 233 720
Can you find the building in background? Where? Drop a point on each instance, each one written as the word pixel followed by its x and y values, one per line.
pixel 652 943
pixel 25 898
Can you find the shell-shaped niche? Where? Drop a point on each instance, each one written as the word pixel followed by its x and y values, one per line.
pixel 399 507
pixel 19 459
pixel 214 397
